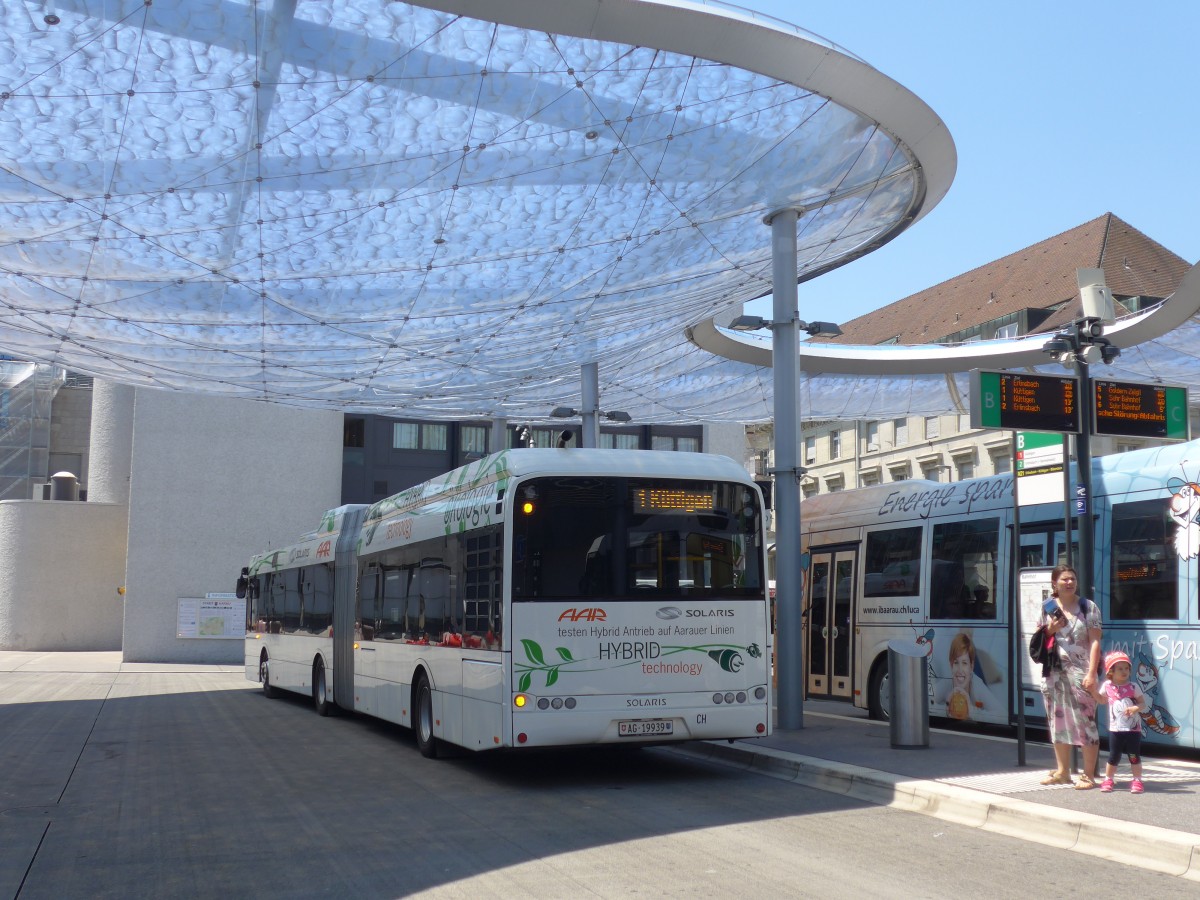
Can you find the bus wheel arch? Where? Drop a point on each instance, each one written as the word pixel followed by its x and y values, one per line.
pixel 264 675
pixel 422 717
pixel 877 689
pixel 322 700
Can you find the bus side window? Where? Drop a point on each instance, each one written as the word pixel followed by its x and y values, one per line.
pixel 964 569
pixel 1145 564
pixel 367 590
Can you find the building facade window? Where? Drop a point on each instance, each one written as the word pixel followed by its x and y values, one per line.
pixel 835 444
pixel 672 442
pixel 474 439
pixel 866 479
pixel 418 436
pixel 1001 463
pixel 872 430
pixel 899 432
pixel 966 469
pixel 810 450
pixel 932 427
pixel 1011 330
pixel 931 472
pixel 964 421
pixel 624 442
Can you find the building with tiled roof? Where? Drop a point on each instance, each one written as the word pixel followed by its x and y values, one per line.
pixel 1034 290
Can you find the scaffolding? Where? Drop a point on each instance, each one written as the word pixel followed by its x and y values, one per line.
pixel 27 391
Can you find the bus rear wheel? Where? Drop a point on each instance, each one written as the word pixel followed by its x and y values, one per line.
pixel 423 718
pixel 321 701
pixel 878 700
pixel 264 675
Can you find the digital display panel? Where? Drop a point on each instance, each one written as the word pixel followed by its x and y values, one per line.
pixel 1133 409
pixel 1024 402
pixel 663 500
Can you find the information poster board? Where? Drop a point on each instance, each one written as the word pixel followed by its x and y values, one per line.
pixel 1034 588
pixel 1039 468
pixel 211 617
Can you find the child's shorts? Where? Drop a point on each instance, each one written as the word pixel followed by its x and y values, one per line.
pixel 1127 742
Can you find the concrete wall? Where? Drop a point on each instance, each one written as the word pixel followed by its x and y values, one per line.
pixel 213 481
pixel 726 439
pixel 70 427
pixel 63 563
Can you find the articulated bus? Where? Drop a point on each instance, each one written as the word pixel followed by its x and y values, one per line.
pixel 534 598
pixel 934 564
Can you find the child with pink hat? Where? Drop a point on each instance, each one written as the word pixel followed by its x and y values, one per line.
pixel 1126 701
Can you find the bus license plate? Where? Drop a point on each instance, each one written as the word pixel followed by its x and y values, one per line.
pixel 645 727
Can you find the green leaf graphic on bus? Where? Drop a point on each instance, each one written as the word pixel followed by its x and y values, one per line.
pixel 533 651
pixel 536 656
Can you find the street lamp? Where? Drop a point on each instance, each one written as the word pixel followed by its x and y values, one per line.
pixel 567 412
pixel 1077 349
pixel 813 329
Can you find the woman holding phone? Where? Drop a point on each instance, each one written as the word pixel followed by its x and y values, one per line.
pixel 1074 623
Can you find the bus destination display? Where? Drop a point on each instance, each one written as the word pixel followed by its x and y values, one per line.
pixel 1133 409
pixel 1024 402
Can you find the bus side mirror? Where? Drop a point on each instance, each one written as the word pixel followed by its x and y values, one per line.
pixel 242 583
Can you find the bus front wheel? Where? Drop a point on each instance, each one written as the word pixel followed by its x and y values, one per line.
pixel 264 675
pixel 423 718
pixel 878 700
pixel 321 701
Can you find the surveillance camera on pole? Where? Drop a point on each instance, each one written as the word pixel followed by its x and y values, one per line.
pixel 1097 299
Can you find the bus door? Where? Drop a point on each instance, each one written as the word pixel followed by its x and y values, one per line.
pixel 828 605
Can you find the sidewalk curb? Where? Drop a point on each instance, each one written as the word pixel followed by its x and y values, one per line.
pixel 1145 846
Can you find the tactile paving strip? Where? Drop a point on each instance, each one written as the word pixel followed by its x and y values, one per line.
pixel 1028 780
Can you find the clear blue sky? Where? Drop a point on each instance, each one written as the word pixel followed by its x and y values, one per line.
pixel 1060 111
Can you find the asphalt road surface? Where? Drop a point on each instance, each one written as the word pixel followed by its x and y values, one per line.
pixel 195 785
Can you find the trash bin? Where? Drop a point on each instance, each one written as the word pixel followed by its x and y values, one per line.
pixel 908 691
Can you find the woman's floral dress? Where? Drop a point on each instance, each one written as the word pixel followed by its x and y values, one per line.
pixel 1070 709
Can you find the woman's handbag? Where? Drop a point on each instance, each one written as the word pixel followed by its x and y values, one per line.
pixel 1043 651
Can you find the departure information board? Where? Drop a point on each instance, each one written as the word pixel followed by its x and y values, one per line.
pixel 1134 409
pixel 1023 402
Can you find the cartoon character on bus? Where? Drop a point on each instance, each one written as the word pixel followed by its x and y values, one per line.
pixel 1157 719
pixel 1185 512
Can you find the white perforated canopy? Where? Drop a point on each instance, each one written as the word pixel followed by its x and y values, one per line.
pixel 382 206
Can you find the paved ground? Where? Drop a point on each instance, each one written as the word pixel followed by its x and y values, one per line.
pixel 50 708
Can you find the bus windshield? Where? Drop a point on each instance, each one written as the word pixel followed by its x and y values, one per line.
pixel 629 538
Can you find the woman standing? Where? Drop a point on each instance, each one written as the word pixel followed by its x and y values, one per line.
pixel 1070 707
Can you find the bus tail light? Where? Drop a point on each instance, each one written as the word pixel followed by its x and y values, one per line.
pixel 522 738
pixel 760 728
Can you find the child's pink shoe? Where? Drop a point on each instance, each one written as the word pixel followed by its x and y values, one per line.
pixel 1106 786
pixel 1136 787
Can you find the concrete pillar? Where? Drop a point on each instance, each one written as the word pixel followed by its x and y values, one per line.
pixel 111 453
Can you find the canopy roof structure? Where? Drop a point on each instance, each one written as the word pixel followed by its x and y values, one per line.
pixel 437 210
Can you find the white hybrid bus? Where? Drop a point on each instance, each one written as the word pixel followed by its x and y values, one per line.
pixel 537 597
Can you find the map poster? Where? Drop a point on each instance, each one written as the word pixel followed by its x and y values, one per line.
pixel 211 617
pixel 1034 589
